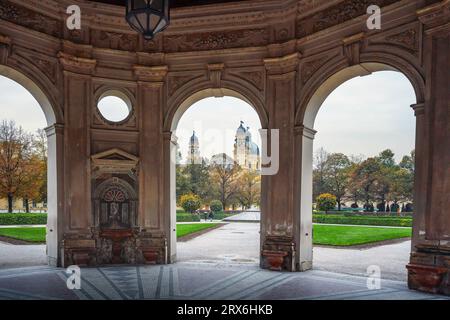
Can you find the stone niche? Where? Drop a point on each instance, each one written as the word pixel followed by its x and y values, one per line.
pixel 115 207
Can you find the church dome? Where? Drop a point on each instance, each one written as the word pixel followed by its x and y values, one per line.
pixel 254 149
pixel 241 131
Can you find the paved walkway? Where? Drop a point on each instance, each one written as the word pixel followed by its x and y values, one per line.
pixel 221 264
pixel 196 281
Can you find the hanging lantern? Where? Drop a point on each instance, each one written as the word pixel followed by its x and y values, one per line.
pixel 148 16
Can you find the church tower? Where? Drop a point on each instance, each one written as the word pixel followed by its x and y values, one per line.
pixel 194 151
pixel 246 152
pixel 240 145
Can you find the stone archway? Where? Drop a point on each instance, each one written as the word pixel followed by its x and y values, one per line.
pixel 307 120
pixel 54 145
pixel 277 54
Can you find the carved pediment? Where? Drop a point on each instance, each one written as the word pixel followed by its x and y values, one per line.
pixel 115 161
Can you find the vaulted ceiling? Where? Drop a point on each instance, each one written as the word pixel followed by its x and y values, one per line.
pixel 174 3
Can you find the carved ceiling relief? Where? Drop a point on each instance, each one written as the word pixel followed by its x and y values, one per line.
pixel 216 40
pixel 408 40
pixel 333 16
pixel 114 40
pixel 25 17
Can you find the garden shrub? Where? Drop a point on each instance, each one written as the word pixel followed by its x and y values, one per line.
pixel 190 202
pixel 364 220
pixel 216 206
pixel 326 202
pixel 9 219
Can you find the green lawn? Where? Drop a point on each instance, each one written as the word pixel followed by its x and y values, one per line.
pixel 349 236
pixel 323 235
pixel 26 234
pixel 186 229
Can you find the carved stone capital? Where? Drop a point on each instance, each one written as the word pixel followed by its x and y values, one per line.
pixel 419 109
pixel 282 65
pixel 76 64
pixel 352 48
pixel 170 136
pixel 151 74
pixel 54 129
pixel 305 132
pixel 215 73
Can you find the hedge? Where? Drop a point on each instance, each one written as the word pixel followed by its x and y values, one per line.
pixel 187 217
pixel 363 220
pixel 8 219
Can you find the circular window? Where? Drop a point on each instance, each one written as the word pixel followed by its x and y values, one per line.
pixel 113 108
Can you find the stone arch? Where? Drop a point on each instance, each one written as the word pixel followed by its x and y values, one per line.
pixel 31 83
pixel 321 85
pixel 193 92
pixel 335 73
pixel 55 160
pixel 189 94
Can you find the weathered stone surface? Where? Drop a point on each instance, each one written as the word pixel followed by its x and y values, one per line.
pixel 112 185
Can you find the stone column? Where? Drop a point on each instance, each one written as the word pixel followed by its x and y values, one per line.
pixel 77 245
pixel 304 139
pixel 170 200
pixel 55 193
pixel 429 268
pixel 152 214
pixel 279 221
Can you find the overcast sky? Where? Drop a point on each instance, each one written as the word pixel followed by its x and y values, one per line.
pixel 363 116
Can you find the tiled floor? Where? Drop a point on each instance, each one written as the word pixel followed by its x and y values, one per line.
pixel 185 281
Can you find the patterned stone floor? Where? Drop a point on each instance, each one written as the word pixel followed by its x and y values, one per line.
pixel 187 281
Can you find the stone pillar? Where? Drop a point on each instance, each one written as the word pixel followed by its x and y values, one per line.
pixel 55 192
pixel 279 221
pixel 429 268
pixel 152 215
pixel 304 236
pixel 170 199
pixel 78 246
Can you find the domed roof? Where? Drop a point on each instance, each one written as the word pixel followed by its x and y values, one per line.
pixel 241 131
pixel 254 149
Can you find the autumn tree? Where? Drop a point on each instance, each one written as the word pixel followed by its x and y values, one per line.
pixel 319 186
pixel 364 178
pixel 16 153
pixel 336 171
pixel 224 182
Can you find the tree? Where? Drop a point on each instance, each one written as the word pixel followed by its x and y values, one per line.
pixel 15 155
pixel 223 182
pixel 408 162
pixel 193 178
pixel 326 202
pixel 216 206
pixel 190 202
pixel 320 158
pixel 336 172
pixel 41 150
pixel 249 188
pixel 386 158
pixel 364 178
